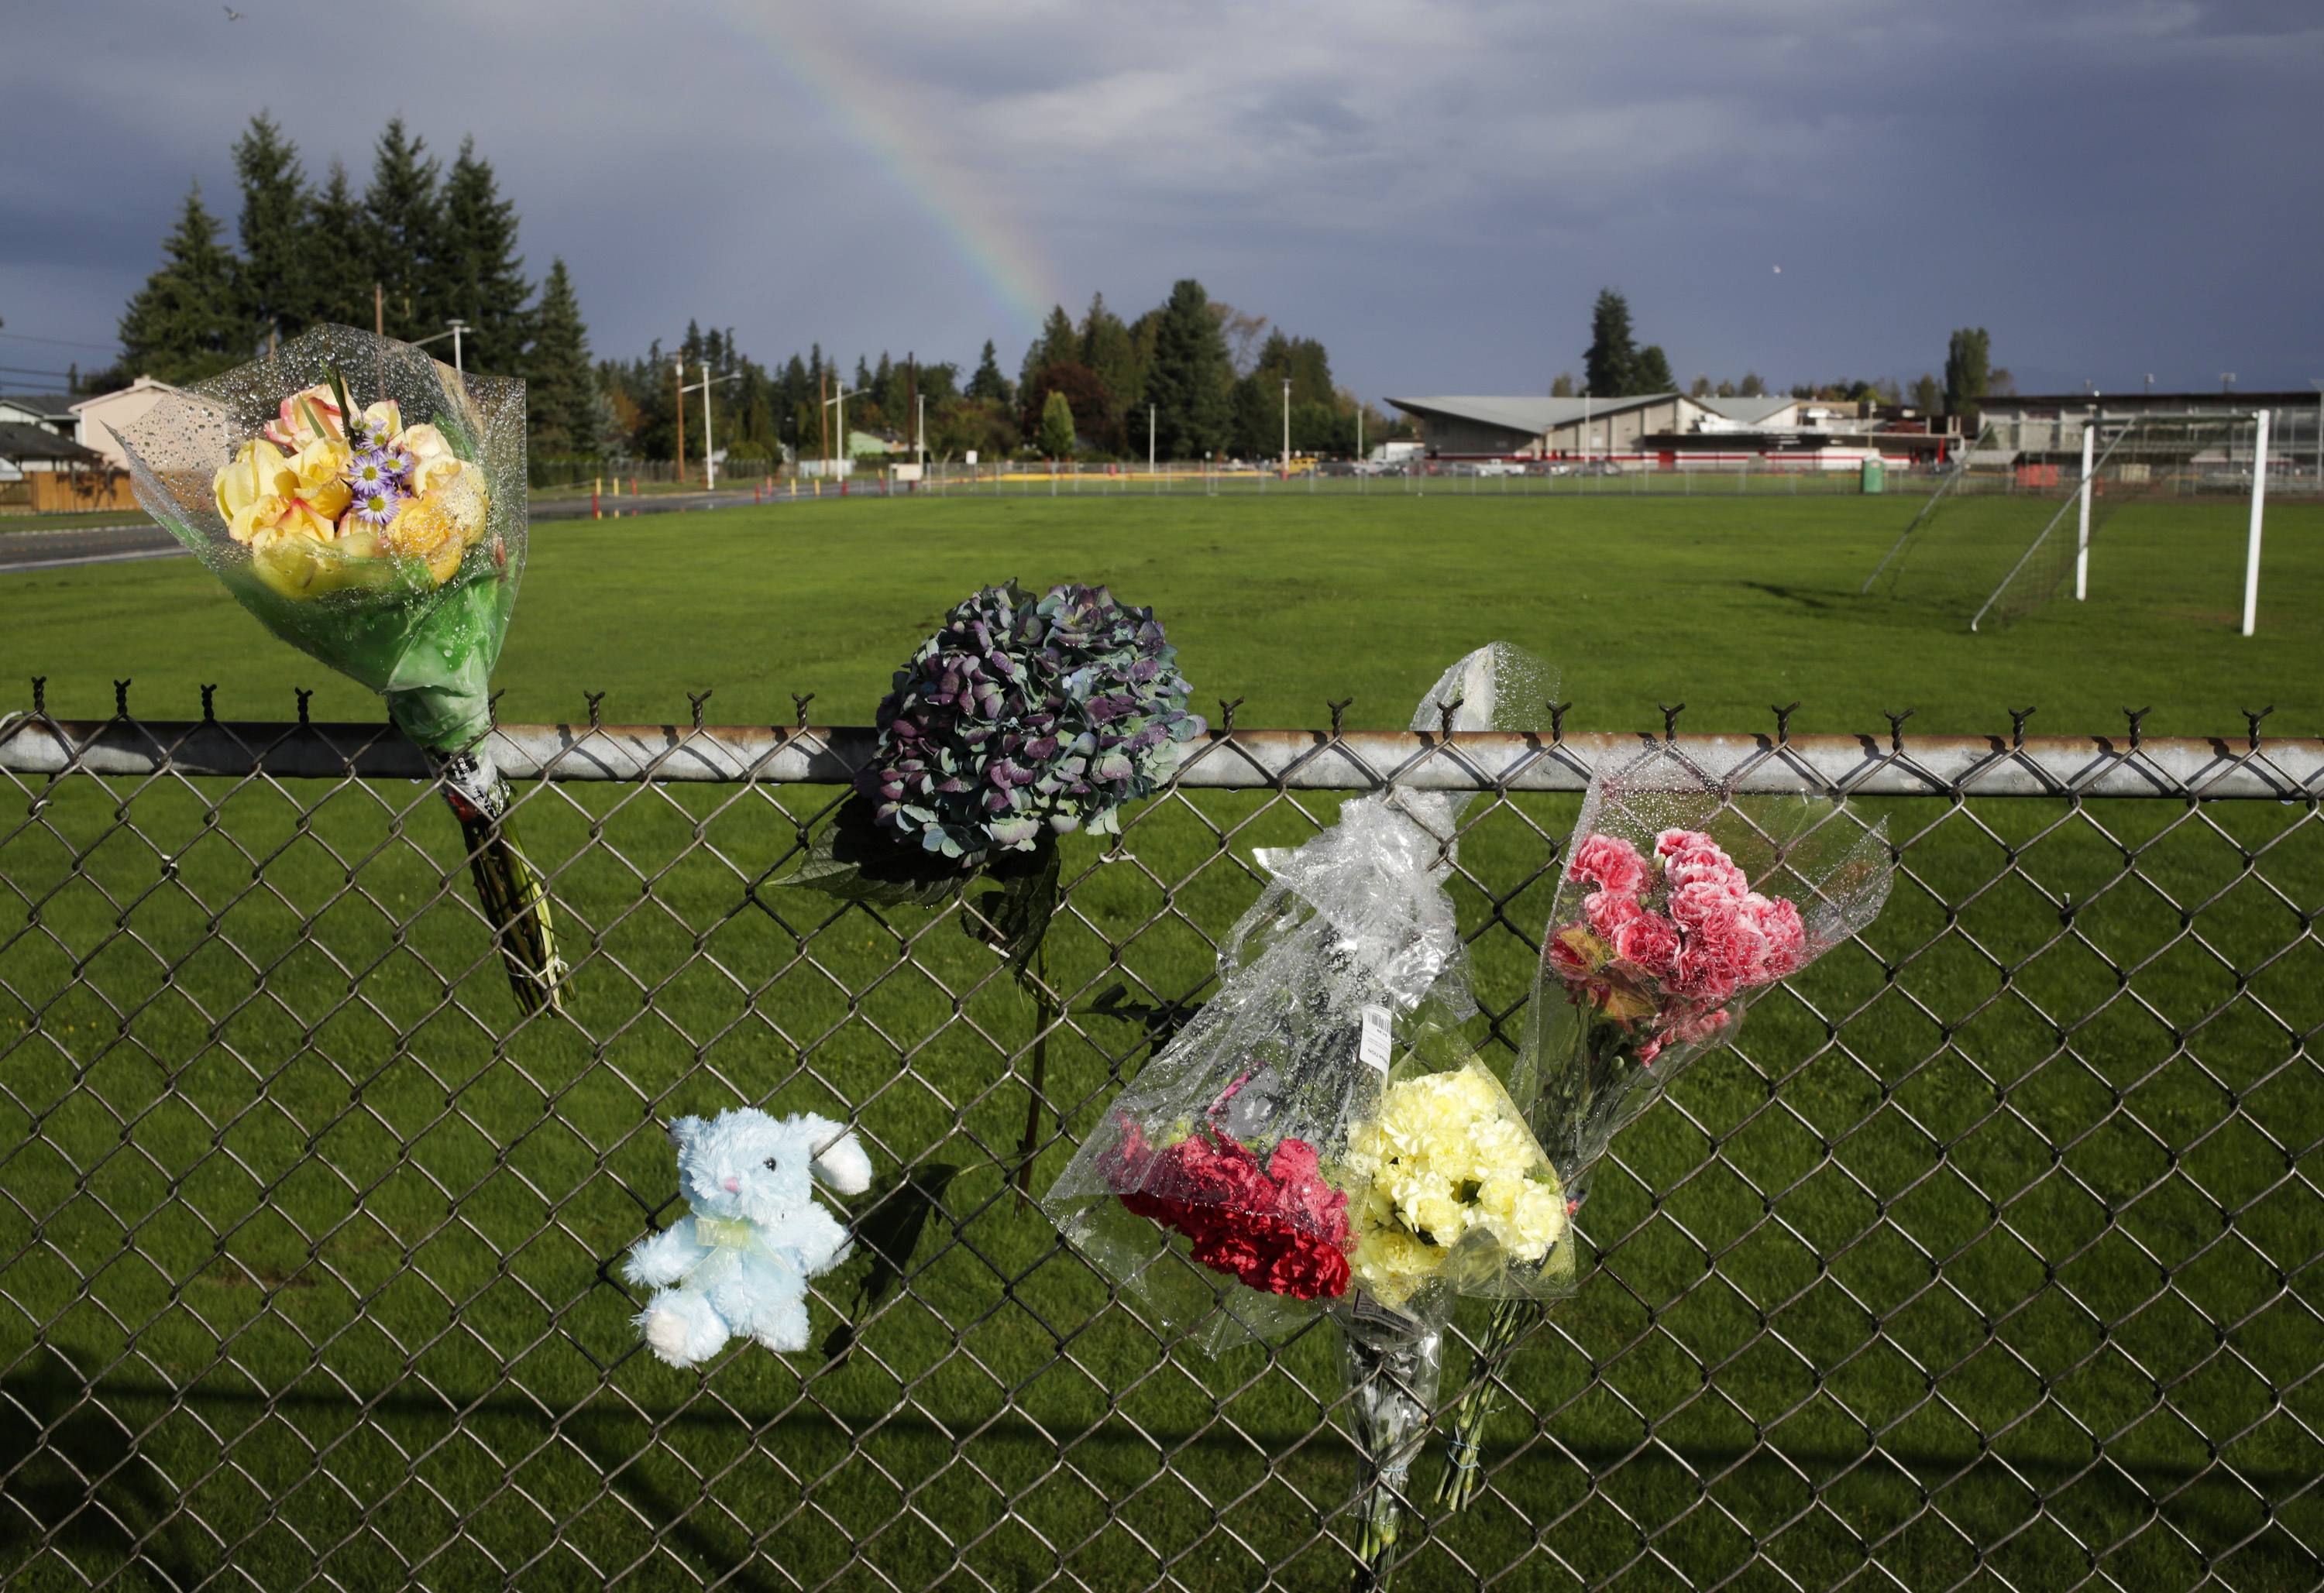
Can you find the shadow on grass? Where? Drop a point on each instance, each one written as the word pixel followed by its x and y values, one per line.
pixel 75 1483
pixel 72 1482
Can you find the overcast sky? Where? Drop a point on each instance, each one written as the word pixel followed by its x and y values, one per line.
pixel 2113 188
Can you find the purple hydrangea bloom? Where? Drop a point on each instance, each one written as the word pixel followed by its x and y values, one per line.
pixel 1027 715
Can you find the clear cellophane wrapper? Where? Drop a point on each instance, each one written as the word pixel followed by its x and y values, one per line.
pixel 1640 976
pixel 1320 1133
pixel 423 632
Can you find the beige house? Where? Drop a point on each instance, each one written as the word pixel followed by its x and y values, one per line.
pixel 97 417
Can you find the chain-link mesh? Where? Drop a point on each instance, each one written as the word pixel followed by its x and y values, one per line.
pixel 1988 1259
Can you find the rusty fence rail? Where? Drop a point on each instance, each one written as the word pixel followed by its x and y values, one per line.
pixel 1988 1258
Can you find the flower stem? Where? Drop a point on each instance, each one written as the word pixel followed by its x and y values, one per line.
pixel 514 896
pixel 1464 1474
pixel 1045 1014
pixel 1393 1362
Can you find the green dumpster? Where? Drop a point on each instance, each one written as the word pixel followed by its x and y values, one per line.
pixel 1875 476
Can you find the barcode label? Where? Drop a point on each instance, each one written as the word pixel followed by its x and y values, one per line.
pixel 1377 1045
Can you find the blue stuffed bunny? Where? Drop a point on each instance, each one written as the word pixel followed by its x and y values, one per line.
pixel 739 1264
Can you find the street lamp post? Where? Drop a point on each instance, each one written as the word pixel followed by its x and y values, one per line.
pixel 1287 428
pixel 709 465
pixel 1585 423
pixel 452 329
pixel 837 404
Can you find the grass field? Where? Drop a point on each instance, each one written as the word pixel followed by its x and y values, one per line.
pixel 305 1247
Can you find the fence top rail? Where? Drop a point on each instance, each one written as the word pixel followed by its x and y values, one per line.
pixel 1891 764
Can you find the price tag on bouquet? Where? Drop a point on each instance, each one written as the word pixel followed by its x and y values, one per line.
pixel 1378 1046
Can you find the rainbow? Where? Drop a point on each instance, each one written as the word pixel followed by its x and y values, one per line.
pixel 866 105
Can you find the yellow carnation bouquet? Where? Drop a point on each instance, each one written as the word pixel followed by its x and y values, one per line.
pixel 1448 1184
pixel 367 505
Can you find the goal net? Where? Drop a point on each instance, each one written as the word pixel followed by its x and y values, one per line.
pixel 2012 526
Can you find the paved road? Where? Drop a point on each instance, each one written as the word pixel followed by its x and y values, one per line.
pixel 112 544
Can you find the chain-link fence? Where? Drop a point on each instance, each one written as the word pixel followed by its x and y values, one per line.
pixel 1988 1257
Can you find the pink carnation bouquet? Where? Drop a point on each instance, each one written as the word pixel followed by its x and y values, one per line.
pixel 1681 898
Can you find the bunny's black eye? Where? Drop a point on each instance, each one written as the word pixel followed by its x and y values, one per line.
pixel 774 1165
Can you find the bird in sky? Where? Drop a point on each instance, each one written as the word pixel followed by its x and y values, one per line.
pixel 232 15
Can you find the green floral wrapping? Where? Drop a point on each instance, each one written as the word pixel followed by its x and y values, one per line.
pixel 413 604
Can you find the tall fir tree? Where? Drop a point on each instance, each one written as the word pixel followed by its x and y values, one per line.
pixel 339 267
pixel 988 383
pixel 186 323
pixel 560 384
pixel 403 223
pixel 1187 380
pixel 1108 349
pixel 1610 365
pixel 1058 341
pixel 480 277
pixel 279 264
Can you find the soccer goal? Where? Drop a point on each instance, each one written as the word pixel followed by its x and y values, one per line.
pixel 2014 524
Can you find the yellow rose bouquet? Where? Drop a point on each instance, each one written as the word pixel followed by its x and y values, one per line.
pixel 367 505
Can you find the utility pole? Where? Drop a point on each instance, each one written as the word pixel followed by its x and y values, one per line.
pixel 677 368
pixel 823 421
pixel 912 401
pixel 378 310
pixel 1150 430
pixel 709 466
pixel 1287 428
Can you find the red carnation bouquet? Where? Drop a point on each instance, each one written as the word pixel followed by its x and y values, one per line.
pixel 1277 1226
pixel 1681 898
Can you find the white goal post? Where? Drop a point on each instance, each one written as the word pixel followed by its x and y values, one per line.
pixel 2258 512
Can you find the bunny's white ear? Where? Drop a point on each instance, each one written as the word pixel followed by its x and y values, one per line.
pixel 683 1134
pixel 840 1160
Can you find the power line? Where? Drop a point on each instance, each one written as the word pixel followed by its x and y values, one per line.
pixel 28 371
pixel 62 342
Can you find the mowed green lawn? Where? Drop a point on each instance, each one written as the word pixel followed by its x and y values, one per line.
pixel 1289 603
pixel 307 1247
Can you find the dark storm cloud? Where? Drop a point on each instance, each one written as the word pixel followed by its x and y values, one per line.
pixel 2114 187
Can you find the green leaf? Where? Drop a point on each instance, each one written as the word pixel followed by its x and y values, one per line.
pixel 455 433
pixel 852 858
pixel 1013 918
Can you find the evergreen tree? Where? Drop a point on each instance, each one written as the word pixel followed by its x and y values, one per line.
pixel 1725 388
pixel 1057 343
pixel 1563 387
pixel 1752 387
pixel 1611 364
pixel 1699 388
pixel 1653 372
pixel 278 254
pixel 339 264
pixel 481 279
pixel 1108 349
pixel 1969 373
pixel 403 223
pixel 560 385
pixel 1187 379
pixel 1058 426
pixel 185 322
pixel 989 383
pixel 1928 396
